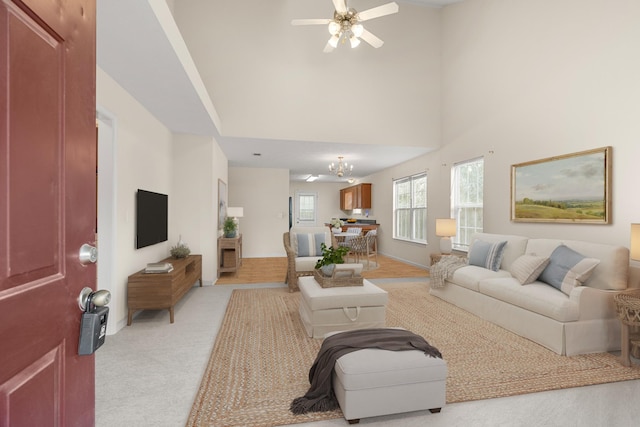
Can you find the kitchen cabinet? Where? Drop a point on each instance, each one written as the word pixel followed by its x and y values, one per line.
pixel 356 197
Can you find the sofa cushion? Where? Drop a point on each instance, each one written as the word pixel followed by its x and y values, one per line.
pixel 307 263
pixel 567 269
pixel 487 255
pixel 308 244
pixel 536 297
pixel 469 276
pixel 528 267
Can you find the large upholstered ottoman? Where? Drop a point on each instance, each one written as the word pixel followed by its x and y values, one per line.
pixel 324 310
pixel 373 382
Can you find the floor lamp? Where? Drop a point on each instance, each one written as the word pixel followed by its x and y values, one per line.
pixel 445 229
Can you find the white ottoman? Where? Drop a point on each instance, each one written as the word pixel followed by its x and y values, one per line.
pixel 373 382
pixel 324 310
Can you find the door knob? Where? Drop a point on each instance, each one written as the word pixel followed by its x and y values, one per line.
pixel 98 298
pixel 88 254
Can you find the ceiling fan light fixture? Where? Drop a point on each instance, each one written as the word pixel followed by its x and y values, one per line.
pixel 334 28
pixel 347 24
pixel 333 41
pixel 357 29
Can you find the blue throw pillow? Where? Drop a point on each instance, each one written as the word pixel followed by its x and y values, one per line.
pixel 487 255
pixel 309 244
pixel 567 269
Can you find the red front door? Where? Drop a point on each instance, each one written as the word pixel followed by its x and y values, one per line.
pixel 47 209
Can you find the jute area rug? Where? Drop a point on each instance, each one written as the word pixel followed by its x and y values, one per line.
pixel 261 357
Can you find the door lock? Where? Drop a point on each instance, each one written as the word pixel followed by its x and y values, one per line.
pixel 93 327
pixel 88 254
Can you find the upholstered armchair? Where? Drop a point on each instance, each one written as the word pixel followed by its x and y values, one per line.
pixel 302 245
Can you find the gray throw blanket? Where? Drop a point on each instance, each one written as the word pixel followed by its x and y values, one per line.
pixel 320 396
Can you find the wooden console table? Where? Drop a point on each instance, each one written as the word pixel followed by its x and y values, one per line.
pixel 229 254
pixel 156 291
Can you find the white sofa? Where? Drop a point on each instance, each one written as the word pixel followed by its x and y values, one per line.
pixel 584 321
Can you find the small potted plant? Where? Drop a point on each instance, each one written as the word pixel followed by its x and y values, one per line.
pixel 330 257
pixel 229 227
pixel 181 250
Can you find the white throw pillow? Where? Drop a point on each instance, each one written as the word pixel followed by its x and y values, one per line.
pixel 528 267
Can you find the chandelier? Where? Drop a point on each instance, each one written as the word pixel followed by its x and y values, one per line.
pixel 341 169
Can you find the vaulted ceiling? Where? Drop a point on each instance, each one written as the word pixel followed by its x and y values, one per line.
pixel 239 72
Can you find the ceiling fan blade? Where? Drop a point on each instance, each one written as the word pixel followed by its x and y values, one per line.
pixel 376 12
pixel 340 5
pixel 371 39
pixel 310 21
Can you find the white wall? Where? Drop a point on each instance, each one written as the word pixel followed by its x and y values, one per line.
pixel 328 199
pixel 198 163
pixel 143 160
pixel 148 156
pixel 525 80
pixel 269 79
pixel 264 195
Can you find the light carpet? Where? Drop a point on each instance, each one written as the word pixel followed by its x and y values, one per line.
pixel 261 357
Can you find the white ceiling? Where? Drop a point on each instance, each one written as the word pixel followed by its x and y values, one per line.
pixel 140 46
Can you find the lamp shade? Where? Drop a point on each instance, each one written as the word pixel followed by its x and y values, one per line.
pixel 235 212
pixel 635 242
pixel 445 227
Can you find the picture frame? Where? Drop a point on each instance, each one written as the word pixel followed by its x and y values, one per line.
pixel 572 188
pixel 222 203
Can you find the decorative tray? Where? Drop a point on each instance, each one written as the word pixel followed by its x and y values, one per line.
pixel 342 277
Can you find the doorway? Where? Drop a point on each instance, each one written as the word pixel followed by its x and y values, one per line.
pixel 107 204
pixel 306 209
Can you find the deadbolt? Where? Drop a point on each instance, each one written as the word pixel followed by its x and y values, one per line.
pixel 88 254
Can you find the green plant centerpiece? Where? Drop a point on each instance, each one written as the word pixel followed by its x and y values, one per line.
pixel 330 257
pixel 230 227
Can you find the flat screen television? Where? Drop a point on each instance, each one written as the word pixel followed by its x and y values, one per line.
pixel 151 218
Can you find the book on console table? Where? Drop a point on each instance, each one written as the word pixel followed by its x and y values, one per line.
pixel 159 267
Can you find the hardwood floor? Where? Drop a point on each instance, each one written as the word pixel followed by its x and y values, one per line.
pixel 274 270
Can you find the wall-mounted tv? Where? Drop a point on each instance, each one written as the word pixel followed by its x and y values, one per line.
pixel 151 218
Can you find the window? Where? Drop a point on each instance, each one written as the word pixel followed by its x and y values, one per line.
pixel 410 208
pixel 467 184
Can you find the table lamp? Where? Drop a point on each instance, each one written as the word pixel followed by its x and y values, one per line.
pixel 235 213
pixel 635 242
pixel 445 229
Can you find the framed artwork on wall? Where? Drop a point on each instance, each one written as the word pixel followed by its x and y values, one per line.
pixel 572 188
pixel 222 203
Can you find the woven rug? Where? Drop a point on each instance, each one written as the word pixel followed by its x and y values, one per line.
pixel 261 357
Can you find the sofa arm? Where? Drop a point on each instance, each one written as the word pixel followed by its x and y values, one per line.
pixel 594 303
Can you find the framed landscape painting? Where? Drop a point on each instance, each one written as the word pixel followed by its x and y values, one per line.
pixel 573 188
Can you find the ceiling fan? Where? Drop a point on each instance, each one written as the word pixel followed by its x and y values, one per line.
pixel 346 24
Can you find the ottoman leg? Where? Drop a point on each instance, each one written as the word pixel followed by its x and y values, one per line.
pixel 356 421
pixel 435 410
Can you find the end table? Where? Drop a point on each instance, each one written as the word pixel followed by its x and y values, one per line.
pixel 628 307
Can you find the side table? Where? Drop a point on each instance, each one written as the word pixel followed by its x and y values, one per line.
pixel 229 254
pixel 628 307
